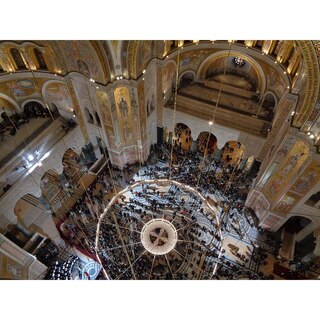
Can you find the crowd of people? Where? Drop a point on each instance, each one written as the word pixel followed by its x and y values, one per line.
pixel 199 254
pixel 10 123
pixel 66 270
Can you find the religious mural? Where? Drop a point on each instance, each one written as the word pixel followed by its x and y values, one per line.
pixel 168 76
pixel 191 60
pixel 285 147
pixel 144 55
pixel 21 88
pixel 142 111
pixel 79 56
pixel 123 107
pixel 308 179
pixel 105 111
pixel 270 222
pixel 83 68
pixel 286 203
pixel 58 94
pixel 286 171
pixel 275 81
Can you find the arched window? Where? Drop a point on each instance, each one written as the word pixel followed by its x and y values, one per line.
pixel 98 119
pixel 41 62
pixel 16 55
pixel 89 116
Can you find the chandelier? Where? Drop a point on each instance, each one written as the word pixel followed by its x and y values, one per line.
pixel 239 62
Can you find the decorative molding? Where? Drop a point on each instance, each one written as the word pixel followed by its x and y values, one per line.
pixel 305 116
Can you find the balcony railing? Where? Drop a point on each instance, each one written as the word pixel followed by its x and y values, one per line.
pixel 42 141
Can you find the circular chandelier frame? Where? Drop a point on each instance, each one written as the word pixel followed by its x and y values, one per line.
pixel 211 210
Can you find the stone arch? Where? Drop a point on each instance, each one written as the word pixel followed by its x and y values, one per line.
pixel 292 215
pixel 33 100
pixel 35 108
pixel 182 136
pixel 224 53
pixel 188 72
pixel 207 142
pixel 46 83
pixel 56 91
pixel 11 101
pixel 83 68
pixel 269 105
pixel 268 92
pixel 232 152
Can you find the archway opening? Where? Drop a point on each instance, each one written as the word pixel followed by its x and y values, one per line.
pixel 232 153
pixel 40 59
pixel 186 79
pixel 18 60
pixel 206 142
pixel 98 119
pixel 89 116
pixel 295 224
pixel 298 238
pixel 234 70
pixel 34 109
pixel 182 136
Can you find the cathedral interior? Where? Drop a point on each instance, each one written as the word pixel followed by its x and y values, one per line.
pixel 159 160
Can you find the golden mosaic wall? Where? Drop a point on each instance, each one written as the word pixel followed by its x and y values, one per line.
pixel 142 111
pixel 307 180
pixel 105 111
pixel 124 115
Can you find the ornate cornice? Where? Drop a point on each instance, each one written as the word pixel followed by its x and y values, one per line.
pixel 306 116
pixel 132 58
